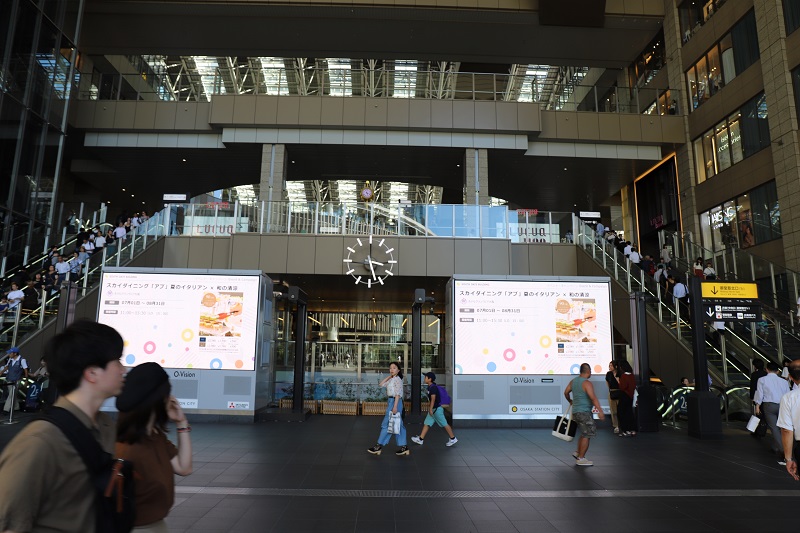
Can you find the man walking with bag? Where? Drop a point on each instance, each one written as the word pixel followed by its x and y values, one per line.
pixel 583 398
pixel 54 490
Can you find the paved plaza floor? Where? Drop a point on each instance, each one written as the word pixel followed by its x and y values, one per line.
pixel 316 476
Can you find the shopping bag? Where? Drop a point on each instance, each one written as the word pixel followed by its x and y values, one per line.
pixel 753 423
pixel 395 423
pixel 564 427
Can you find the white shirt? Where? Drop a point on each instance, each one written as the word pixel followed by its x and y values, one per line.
pixel 120 232
pixel 709 271
pixel 135 222
pixel 15 360
pixel 679 290
pixel 15 298
pixel 635 257
pixel 665 255
pixel 62 267
pixel 394 387
pixel 627 250
pixel 771 389
pixel 789 414
pixel 99 241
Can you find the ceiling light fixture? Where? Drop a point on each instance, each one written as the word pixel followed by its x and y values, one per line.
pixel 184 160
pixel 123 190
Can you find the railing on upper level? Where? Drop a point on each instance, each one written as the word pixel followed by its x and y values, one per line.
pixel 349 82
pixel 410 220
pixel 729 355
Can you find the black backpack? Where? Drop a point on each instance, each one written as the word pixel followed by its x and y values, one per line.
pixel 112 478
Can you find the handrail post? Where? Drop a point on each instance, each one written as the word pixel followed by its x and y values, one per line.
pixel 85 282
pixel 119 250
pixel 616 262
pixel 672 404
pixel 603 251
pixel 42 307
pixel 288 217
pixel 236 216
pixel 677 317
pixel 724 356
pixel 779 338
pixel 105 256
pixel 216 214
pixel 17 317
pixel 735 265
pixel 660 303
pixel 25 255
pixel 261 220
pixel 628 266
pixel 774 289
pixel 752 268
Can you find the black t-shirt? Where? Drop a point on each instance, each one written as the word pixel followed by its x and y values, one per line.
pixel 611 380
pixel 433 389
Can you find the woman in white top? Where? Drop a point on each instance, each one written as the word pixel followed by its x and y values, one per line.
pixel 394 391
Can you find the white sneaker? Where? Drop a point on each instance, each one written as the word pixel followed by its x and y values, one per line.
pixel 415 439
pixel 451 441
pixel 583 461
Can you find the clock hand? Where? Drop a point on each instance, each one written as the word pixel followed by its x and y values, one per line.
pixel 371 269
pixel 377 263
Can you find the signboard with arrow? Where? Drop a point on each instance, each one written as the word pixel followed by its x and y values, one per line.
pixel 726 302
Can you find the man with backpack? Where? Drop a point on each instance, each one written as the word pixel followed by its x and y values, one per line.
pixel 435 411
pixel 57 491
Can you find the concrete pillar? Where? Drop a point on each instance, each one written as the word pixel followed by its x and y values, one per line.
pixel 273 173
pixel 686 172
pixel 783 123
pixel 476 176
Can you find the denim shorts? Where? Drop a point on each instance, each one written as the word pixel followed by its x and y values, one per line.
pixel 586 424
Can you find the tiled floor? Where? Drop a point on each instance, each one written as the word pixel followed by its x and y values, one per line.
pixel 317 477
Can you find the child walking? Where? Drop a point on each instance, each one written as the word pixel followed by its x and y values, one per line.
pixel 435 413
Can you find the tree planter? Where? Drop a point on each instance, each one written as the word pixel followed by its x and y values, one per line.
pixel 340 407
pixel 311 405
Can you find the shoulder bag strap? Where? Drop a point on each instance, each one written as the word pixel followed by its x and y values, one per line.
pixel 79 435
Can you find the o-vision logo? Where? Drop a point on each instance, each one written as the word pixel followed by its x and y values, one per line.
pixel 513 408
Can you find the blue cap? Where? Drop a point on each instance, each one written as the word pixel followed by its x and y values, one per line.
pixel 13 349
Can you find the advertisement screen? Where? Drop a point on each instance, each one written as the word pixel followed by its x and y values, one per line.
pixel 530 327
pixel 183 320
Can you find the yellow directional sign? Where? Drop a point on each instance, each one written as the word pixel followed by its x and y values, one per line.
pixel 722 289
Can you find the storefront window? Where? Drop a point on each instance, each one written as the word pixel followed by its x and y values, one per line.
pixel 699 160
pixel 735 137
pixel 692 81
pixel 715 82
pixel 743 134
pixel 791 12
pixel 708 151
pixel 723 146
pixel 702 81
pixel 749 220
pixel 728 65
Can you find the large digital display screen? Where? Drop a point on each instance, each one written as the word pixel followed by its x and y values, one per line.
pixel 530 327
pixel 200 321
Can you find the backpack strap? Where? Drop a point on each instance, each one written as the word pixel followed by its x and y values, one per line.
pixel 79 436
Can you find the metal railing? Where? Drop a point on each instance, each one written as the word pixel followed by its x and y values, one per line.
pixel 364 82
pixel 778 291
pixel 729 353
pixel 19 322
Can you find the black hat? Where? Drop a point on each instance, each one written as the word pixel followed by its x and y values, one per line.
pixel 430 375
pixel 144 386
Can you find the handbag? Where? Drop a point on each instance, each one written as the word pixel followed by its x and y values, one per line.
pixel 564 427
pixel 395 424
pixel 753 423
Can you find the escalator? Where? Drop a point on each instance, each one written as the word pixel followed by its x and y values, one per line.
pixel 729 355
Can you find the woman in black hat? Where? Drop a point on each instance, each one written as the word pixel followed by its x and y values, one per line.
pixel 145 407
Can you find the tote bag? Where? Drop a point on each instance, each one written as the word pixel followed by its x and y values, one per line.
pixel 564 427
pixel 395 423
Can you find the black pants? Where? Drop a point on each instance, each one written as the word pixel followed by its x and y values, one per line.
pixel 627 421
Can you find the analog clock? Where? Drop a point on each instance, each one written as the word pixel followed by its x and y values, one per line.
pixel 367 194
pixel 370 260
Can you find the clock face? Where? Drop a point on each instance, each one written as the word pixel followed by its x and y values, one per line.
pixel 370 261
pixel 366 193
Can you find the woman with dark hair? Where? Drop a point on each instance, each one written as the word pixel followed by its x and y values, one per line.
pixel 613 392
pixel 145 408
pixel 627 385
pixel 394 391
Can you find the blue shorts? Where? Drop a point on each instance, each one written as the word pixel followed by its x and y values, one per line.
pixel 438 417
